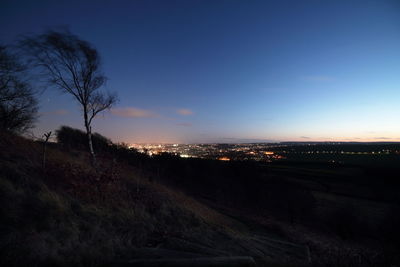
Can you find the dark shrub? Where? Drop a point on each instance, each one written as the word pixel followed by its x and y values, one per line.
pixel 76 139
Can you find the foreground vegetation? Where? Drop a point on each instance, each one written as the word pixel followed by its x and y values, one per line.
pixel 70 213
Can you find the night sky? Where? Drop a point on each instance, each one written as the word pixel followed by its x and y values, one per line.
pixel 230 71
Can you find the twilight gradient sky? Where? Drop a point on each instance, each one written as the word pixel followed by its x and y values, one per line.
pixel 231 71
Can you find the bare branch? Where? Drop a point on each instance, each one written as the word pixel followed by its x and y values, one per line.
pixel 73 66
pixel 18 106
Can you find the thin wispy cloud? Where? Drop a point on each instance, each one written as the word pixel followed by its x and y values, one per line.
pixel 131 112
pixel 184 112
pixel 59 112
pixel 244 140
pixel 318 78
pixel 184 124
pixel 383 138
pixel 305 137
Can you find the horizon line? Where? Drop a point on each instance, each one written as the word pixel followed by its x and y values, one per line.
pixel 266 142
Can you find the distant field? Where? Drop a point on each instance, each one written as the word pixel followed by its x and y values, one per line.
pixel 378 160
pixel 357 190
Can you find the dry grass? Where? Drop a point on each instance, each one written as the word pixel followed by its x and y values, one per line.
pixel 72 214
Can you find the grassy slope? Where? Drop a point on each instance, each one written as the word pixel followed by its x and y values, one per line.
pixel 71 214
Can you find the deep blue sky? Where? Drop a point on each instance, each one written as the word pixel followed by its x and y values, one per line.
pixel 230 71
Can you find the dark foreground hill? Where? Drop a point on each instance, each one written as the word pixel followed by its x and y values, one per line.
pixel 162 211
pixel 71 215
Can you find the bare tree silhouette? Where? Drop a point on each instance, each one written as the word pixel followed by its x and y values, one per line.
pixel 18 105
pixel 46 137
pixel 73 66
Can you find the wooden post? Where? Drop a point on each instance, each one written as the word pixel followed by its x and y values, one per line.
pixel 46 138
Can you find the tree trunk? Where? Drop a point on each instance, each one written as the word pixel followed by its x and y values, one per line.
pixel 92 154
pixel 44 156
pixel 89 136
pixel 46 139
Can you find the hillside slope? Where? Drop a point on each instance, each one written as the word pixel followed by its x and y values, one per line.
pixel 69 213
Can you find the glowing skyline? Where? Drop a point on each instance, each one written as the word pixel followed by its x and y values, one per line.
pixel 231 71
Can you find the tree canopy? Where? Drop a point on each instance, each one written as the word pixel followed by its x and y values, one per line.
pixel 73 66
pixel 18 105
